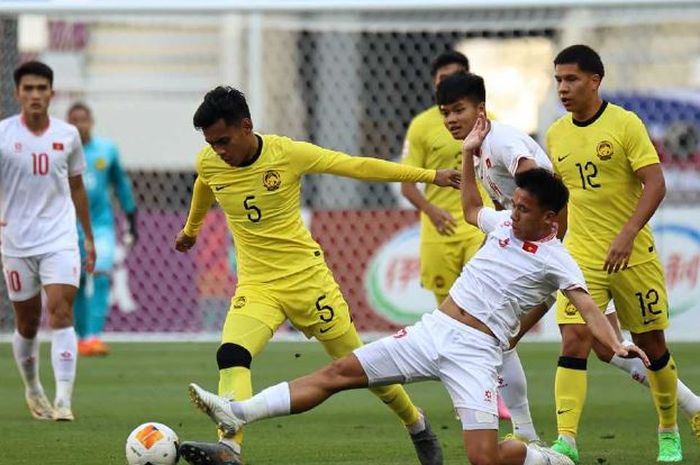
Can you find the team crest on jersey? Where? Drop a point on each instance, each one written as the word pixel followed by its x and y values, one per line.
pixel 239 302
pixel 100 164
pixel 272 180
pixel 604 150
pixel 18 147
pixel 58 146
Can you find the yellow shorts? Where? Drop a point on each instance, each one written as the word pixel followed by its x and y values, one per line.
pixel 442 262
pixel 311 300
pixel 639 293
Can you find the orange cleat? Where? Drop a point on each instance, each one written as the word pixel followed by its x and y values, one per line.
pixel 93 347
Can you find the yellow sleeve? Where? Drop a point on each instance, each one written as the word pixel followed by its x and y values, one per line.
pixel 548 148
pixel 413 153
pixel 310 158
pixel 202 198
pixel 638 147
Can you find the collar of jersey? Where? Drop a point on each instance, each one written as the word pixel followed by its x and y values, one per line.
pixel 257 153
pixel 592 119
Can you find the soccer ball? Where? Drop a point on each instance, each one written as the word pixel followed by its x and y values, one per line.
pixel 152 444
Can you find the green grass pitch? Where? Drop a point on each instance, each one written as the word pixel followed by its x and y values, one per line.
pixel 141 382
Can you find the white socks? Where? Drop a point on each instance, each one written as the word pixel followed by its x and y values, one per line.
pixel 688 402
pixel 64 358
pixel 514 393
pixel 26 352
pixel 274 401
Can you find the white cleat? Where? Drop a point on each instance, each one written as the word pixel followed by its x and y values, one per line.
pixel 39 406
pixel 218 408
pixel 62 412
pixel 552 457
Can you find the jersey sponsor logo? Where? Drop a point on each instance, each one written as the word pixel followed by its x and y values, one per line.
pixel 100 164
pixel 604 150
pixel 18 147
pixel 530 247
pixel 272 180
pixel 488 395
pixel 218 188
pixel 239 302
pixel 561 158
pixel 58 146
pixel 503 242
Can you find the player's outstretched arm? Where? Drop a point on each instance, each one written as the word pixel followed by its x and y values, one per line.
pixel 202 198
pixel 471 198
pixel 600 326
pixel 80 201
pixel 443 221
pixel 310 158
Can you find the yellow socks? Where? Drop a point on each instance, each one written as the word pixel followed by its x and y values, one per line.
pixel 663 383
pixel 235 383
pixel 570 385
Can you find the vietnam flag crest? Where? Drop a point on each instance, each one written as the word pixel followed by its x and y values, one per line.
pixel 530 247
pixel 58 146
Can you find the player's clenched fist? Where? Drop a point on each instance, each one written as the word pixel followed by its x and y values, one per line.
pixel 447 178
pixel 183 242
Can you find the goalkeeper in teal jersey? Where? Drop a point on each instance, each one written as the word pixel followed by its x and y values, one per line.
pixel 103 169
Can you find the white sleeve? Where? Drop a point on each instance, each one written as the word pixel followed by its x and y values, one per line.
pixel 512 151
pixel 76 158
pixel 564 272
pixel 489 219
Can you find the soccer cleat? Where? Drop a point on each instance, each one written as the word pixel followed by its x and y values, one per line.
pixel 562 447
pixel 62 412
pixel 218 408
pixel 207 453
pixel 503 413
pixel 695 424
pixel 39 406
pixel 551 456
pixel 670 447
pixel 92 347
pixel 427 445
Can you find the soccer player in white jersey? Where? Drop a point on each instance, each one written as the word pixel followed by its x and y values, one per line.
pixel 460 343
pixel 505 152
pixel 41 161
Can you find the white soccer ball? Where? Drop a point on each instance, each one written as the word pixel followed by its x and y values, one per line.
pixel 152 444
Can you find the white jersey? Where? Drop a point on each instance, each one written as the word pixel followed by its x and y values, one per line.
pixel 503 147
pixel 507 277
pixel 36 202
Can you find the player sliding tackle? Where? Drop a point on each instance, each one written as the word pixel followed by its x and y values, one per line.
pixel 521 263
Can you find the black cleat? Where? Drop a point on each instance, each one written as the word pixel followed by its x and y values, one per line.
pixel 209 453
pixel 427 445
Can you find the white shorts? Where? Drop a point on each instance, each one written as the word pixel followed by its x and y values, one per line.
pixel 25 276
pixel 439 347
pixel 611 308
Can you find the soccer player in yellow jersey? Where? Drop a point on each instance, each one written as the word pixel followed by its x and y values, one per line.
pixel 281 270
pixel 612 170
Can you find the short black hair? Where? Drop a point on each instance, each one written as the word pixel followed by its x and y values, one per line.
pixel 547 187
pixel 79 106
pixel 222 102
pixel 35 68
pixel 461 85
pixel 449 57
pixel 584 56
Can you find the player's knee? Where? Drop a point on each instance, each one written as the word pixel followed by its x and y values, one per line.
pixel 576 341
pixel 231 355
pixel 60 314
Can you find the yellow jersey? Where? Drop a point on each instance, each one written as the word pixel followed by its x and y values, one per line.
pixel 261 201
pixel 597 160
pixel 429 144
